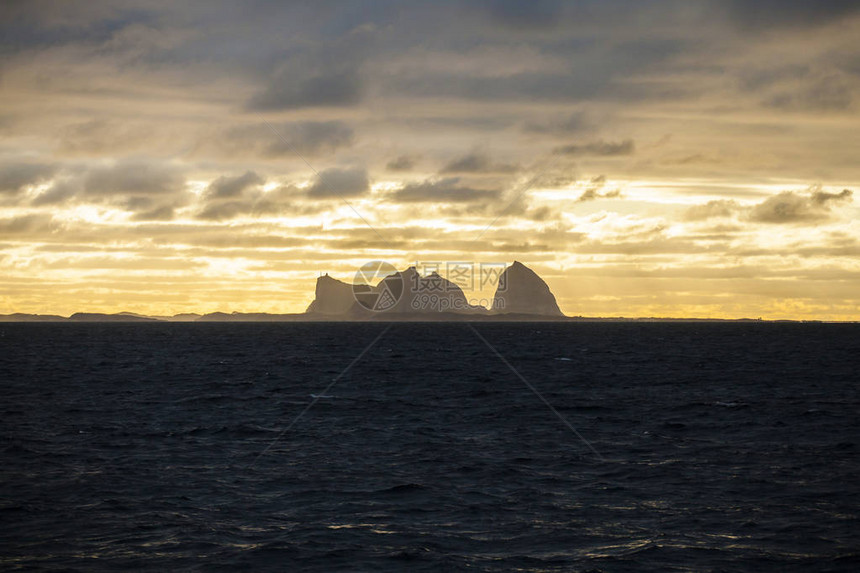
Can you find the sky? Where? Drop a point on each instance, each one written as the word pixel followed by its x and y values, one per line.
pixel 668 158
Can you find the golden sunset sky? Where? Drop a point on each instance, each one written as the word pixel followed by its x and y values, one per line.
pixel 669 158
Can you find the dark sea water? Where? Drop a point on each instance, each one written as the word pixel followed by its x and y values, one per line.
pixel 720 447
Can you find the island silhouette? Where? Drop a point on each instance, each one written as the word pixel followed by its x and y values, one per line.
pixel 520 292
pixel 521 296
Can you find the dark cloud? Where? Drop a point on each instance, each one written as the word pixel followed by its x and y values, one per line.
pixel 713 209
pixel 318 66
pixel 334 182
pixel 402 163
pixel 26 224
pixel 14 177
pixel 630 53
pixel 132 178
pixel 102 136
pixel 224 210
pixel 448 190
pixel 554 173
pixel 562 126
pixel 824 198
pixel 271 204
pixel 483 122
pixel 516 14
pixel 785 207
pixel 692 159
pixel 816 87
pixel 525 86
pixel 598 148
pixel 476 163
pixel 595 190
pixel 28 25
pixel 227 187
pixel 282 139
pixel 540 214
pixel 791 207
pixel 129 185
pixel 326 90
pixel 285 200
pixel 61 189
pixel 793 13
pixel 590 194
pixel 772 75
pixel 829 93
pixel 151 207
pixel 309 137
pixel 161 213
pixel 575 66
pixel 472 163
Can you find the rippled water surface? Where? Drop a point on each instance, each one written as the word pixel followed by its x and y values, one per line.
pixel 719 447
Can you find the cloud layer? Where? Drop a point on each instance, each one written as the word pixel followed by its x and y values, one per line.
pixel 649 158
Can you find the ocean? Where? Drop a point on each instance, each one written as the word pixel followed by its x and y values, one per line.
pixel 522 447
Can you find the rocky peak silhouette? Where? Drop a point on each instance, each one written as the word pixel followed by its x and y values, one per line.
pixel 331 296
pixel 522 291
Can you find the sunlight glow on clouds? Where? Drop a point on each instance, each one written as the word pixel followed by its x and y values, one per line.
pixel 647 159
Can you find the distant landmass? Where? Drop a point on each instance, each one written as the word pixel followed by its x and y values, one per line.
pixel 521 295
pixel 402 295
